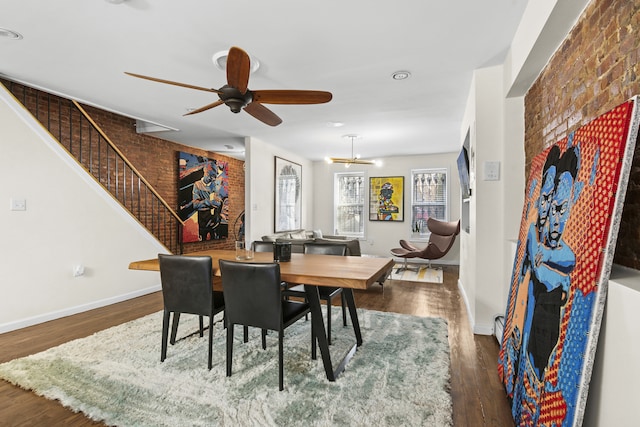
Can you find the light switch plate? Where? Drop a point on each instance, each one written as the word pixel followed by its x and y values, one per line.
pixel 18 204
pixel 491 171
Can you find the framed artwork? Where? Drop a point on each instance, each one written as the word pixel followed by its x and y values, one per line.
pixel 288 195
pixel 203 196
pixel 386 198
pixel 567 239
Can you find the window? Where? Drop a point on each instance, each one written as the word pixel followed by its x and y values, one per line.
pixel 349 204
pixel 429 196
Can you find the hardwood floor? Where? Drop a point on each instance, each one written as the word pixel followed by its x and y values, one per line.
pixel 478 397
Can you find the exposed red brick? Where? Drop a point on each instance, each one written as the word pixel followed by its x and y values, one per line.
pixel 593 71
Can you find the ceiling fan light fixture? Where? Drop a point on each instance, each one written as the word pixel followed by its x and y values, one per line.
pixel 220 61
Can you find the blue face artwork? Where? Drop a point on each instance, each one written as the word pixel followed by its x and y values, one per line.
pixel 546 195
pixel 560 209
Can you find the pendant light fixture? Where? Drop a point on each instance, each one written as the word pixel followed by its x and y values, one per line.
pixel 354 159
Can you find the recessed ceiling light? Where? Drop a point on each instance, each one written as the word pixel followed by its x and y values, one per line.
pixel 401 75
pixel 220 61
pixel 335 124
pixel 8 34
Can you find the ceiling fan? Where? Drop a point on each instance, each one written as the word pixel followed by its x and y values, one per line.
pixel 236 94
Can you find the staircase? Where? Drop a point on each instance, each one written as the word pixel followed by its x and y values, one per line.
pixel 81 137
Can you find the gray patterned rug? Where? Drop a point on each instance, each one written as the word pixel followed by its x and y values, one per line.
pixel 398 377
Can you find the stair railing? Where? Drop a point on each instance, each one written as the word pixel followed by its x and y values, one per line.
pixel 69 123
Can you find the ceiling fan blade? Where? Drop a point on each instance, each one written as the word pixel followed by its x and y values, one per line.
pixel 291 96
pixel 238 68
pixel 154 79
pixel 205 108
pixel 263 114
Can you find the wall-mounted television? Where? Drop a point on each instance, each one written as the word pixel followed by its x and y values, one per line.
pixel 463 171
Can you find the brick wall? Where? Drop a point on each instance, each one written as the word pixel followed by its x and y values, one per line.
pixel 594 70
pixel 156 159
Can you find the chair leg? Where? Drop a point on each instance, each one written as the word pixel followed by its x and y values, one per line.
pixel 174 327
pixel 165 335
pixel 280 361
pixel 201 326
pixel 245 331
pixel 210 364
pixel 229 348
pixel 264 339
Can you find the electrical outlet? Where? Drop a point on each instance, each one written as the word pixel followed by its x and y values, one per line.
pixel 78 270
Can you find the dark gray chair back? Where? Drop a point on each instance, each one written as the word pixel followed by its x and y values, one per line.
pixel 186 283
pixel 252 294
pixel 325 248
pixel 261 246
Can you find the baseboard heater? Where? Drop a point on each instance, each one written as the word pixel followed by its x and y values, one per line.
pixel 498 328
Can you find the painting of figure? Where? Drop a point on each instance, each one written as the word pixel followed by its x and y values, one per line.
pixel 386 198
pixel 565 248
pixel 203 195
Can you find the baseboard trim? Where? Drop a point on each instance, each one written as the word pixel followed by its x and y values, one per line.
pixel 484 329
pixel 35 320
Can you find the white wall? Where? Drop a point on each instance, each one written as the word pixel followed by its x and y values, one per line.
pixel 382 236
pixel 494 117
pixel 483 280
pixel 259 184
pixel 613 390
pixel 69 220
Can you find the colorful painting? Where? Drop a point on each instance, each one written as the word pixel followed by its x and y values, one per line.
pixel 203 195
pixel 386 198
pixel 565 250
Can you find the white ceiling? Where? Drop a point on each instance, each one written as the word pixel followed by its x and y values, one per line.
pixel 81 49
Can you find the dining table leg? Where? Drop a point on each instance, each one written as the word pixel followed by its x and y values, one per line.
pixel 351 304
pixel 321 335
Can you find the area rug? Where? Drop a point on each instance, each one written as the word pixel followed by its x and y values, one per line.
pixel 425 274
pixel 399 376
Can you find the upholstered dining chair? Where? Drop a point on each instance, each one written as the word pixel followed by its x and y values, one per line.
pixel 326 293
pixel 253 299
pixel 261 246
pixel 443 235
pixel 187 288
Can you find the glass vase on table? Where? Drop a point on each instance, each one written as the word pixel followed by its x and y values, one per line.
pixel 243 251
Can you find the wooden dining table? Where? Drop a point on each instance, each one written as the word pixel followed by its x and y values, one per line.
pixel 311 270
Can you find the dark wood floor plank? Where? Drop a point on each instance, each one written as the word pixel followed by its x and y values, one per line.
pixel 478 397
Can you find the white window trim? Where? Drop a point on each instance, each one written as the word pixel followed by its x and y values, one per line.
pixel 336 175
pixel 424 236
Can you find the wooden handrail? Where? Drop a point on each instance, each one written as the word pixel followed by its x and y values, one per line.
pixel 124 158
